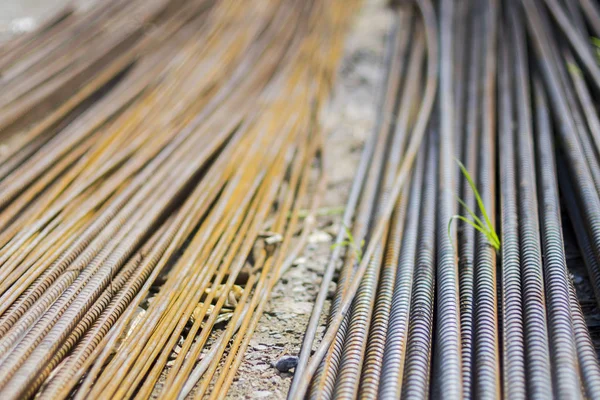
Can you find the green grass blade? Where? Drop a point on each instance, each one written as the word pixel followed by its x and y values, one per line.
pixel 596 42
pixel 350 243
pixel 340 244
pixel 490 235
pixel 480 228
pixel 470 222
pixel 574 69
pixel 471 212
pixel 477 197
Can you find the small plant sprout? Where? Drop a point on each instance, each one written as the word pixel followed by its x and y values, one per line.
pixel 574 69
pixel 596 43
pixel 486 228
pixel 350 242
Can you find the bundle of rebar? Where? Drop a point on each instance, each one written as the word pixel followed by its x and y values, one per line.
pixel 462 289
pixel 155 159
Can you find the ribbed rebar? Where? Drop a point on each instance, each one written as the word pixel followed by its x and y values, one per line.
pixel 588 358
pixel 411 359
pixel 447 360
pixel 393 356
pixel 560 321
pixel 466 233
pixel 513 349
pixel 486 352
pixel 375 354
pixel 537 348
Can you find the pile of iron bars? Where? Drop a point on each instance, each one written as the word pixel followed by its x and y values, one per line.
pixel 155 156
pixel 463 290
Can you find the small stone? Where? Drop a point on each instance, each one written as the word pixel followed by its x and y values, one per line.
pixel 271 237
pixel 260 394
pixel 285 363
pixel 319 237
pixel 299 261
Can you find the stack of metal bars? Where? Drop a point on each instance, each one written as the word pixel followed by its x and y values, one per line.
pixel 463 290
pixel 155 159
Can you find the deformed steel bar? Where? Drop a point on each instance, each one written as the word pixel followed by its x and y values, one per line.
pixel 447 360
pixel 486 328
pixel 388 280
pixel 513 349
pixel 588 358
pixel 560 321
pixel 466 234
pixel 537 349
